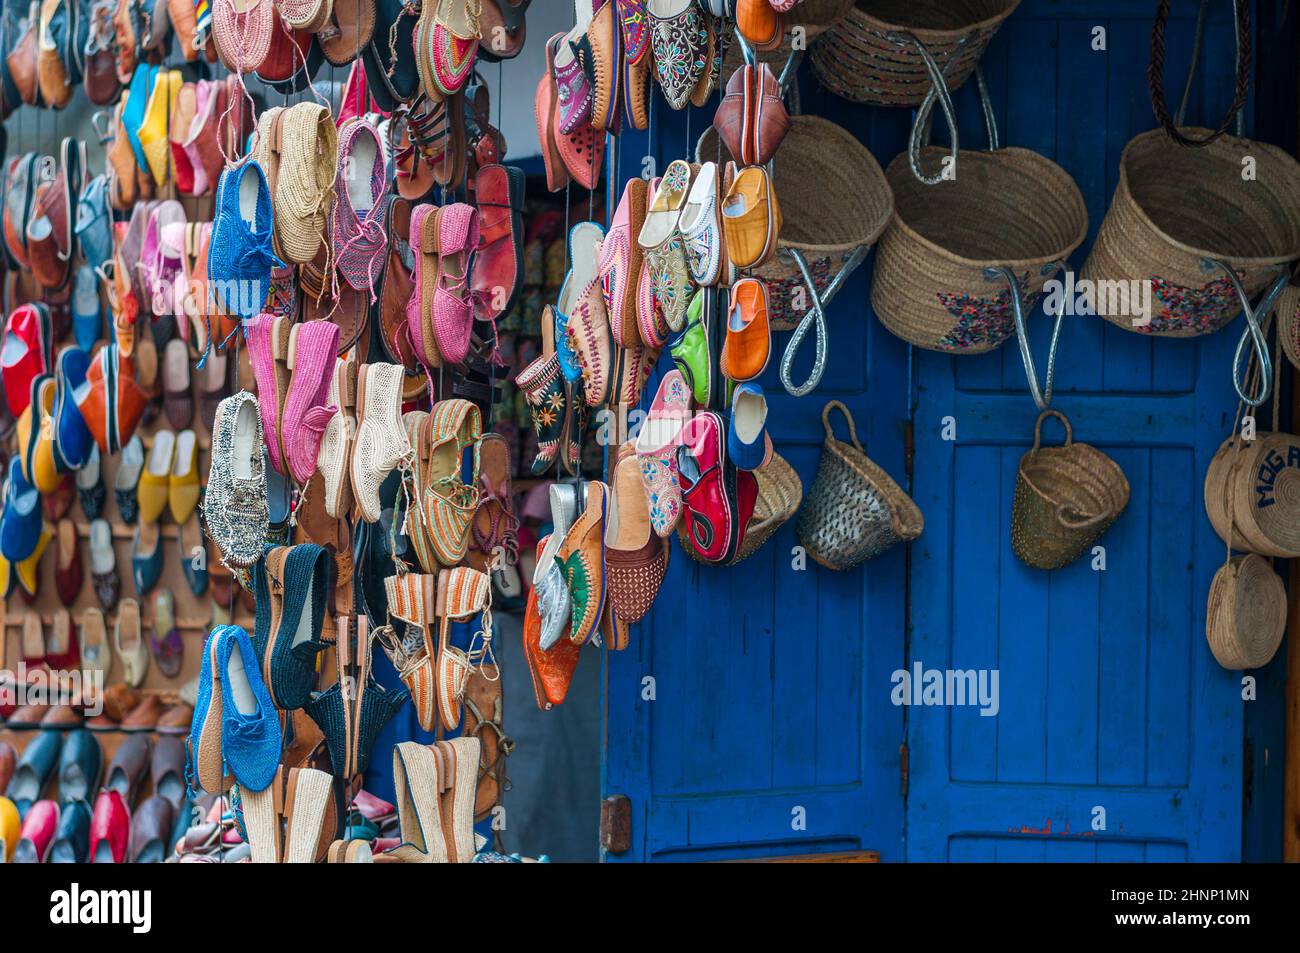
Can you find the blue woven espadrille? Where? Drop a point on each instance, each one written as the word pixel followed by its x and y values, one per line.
pixel 240 256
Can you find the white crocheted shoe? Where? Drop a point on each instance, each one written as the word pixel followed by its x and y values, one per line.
pixel 336 444
pixel 381 444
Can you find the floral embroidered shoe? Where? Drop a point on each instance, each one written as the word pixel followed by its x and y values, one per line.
pixel 588 338
pixel 670 277
pixel 360 242
pixel 679 38
pixel 636 559
pixel 381 445
pixel 312 347
pixel 553 601
pixel 235 503
pixel 656 448
pixel 701 227
pixel 582 557
pixel 543 387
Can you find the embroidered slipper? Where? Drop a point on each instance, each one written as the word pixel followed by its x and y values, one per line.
pixel 546 117
pixel 636 64
pixel 619 264
pixel 582 556
pixel 679 38
pixel 551 671
pixel 656 448
pixel 452 44
pixel 701 227
pixel 660 239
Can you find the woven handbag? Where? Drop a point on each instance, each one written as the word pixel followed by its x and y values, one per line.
pixel 1065 498
pixel 834 199
pixel 855 510
pixel 878 52
pixel 1288 322
pixel 1252 494
pixel 940 281
pixel 779 496
pixel 1245 617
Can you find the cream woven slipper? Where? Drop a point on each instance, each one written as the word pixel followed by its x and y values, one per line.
pixel 381 444
pixel 415 777
pixel 262 823
pixel 336 444
pixel 304 807
pixel 133 652
pixel 459 779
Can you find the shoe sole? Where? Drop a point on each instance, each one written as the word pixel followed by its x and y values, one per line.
pixel 208 760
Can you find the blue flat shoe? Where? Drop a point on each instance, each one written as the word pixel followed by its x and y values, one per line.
pixel 748 445
pixel 87 310
pixel 20 524
pixel 35 767
pixel 80 763
pixel 133 112
pixel 250 729
pixel 72 439
pixel 72 837
pixel 240 256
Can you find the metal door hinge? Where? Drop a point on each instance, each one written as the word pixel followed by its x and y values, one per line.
pixel 616 824
pixel 902 769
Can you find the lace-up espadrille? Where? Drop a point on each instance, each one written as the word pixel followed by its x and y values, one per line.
pixel 360 241
pixel 382 444
pixel 449 502
pixel 304 190
pixel 250 730
pixel 336 443
pixel 240 257
pixel 463 647
pixel 412 597
pixel 242 31
pixel 457 233
pixel 268 342
pixel 235 505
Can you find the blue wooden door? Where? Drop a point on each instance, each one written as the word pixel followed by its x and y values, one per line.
pixel 772 686
pixel 763 737
pixel 1111 706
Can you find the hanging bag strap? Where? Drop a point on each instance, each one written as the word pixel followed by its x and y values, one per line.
pixel 830 431
pixel 1042 397
pixel 1156 74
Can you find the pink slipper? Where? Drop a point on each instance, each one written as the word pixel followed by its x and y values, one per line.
pixel 312 349
pixel 656 448
pixel 453 311
pixel 260 335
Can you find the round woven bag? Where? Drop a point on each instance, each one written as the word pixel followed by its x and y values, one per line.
pixel 1252 494
pixel 869 56
pixel 1010 208
pixel 1066 497
pixel 834 200
pixel 1246 614
pixel 1176 210
pixel 779 496
pixel 855 510
pixel 1288 322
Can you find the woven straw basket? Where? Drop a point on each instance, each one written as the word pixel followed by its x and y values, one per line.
pixel 1246 614
pixel 1010 208
pixel 855 510
pixel 1177 208
pixel 834 199
pixel 866 58
pixel 779 496
pixel 1252 494
pixel 1066 497
pixel 1288 320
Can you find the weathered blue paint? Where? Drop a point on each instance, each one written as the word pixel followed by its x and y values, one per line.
pixel 772 686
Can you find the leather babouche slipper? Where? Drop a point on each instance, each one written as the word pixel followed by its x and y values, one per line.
pixel 582 556
pixel 546 104
pixel 502 29
pixel 636 559
pixel 751 216
pixel 700 226
pixel 619 265
pixel 748 344
pixel 552 669
pixel 717 499
pixel 498 272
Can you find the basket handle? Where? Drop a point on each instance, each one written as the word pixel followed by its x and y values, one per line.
pixel 814 319
pixel 1043 398
pixel 1156 73
pixel 1065 422
pixel 1078 524
pixel 826 422
pixel 1254 332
